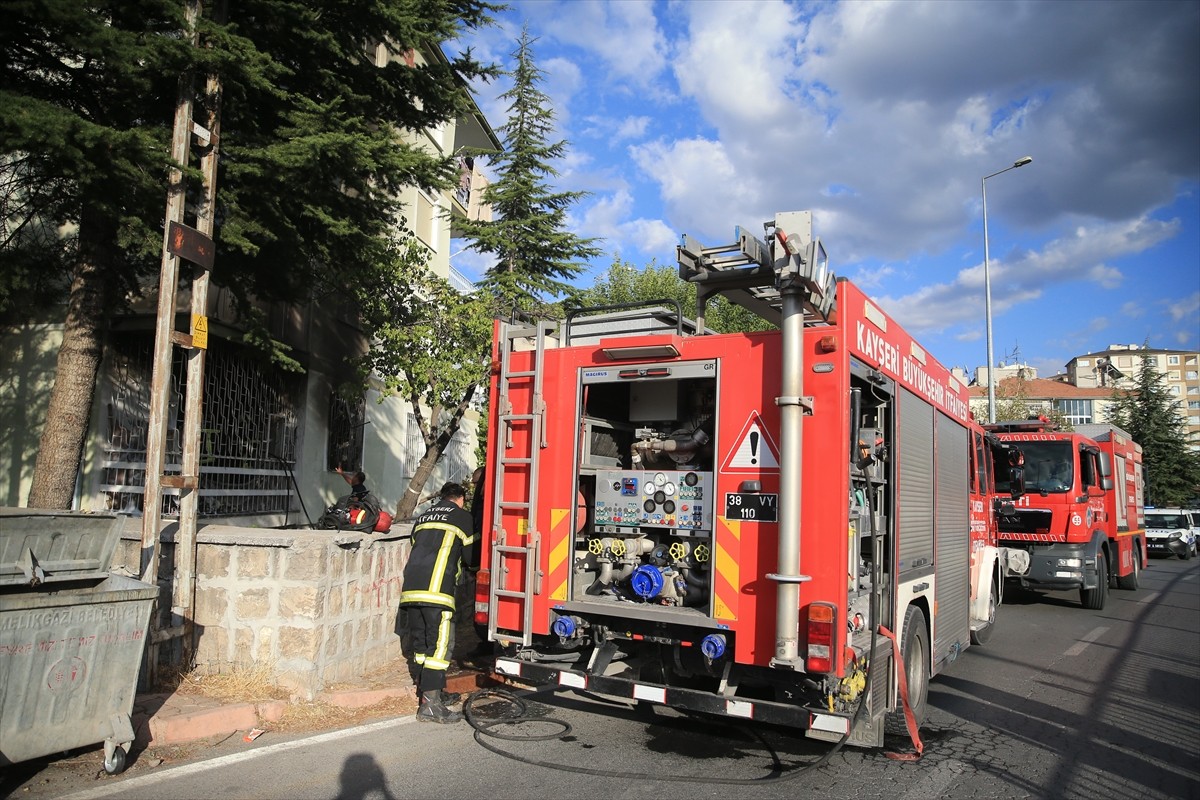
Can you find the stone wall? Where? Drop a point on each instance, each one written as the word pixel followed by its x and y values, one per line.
pixel 318 607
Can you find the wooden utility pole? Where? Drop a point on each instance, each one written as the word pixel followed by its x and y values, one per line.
pixel 197 246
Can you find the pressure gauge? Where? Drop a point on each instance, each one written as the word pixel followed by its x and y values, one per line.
pixel 669 489
pixel 649 488
pixel 660 478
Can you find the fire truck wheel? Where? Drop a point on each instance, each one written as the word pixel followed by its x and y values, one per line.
pixel 1130 582
pixel 983 633
pixel 914 649
pixel 1095 599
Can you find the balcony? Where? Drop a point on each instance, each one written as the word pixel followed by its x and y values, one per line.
pixel 468 193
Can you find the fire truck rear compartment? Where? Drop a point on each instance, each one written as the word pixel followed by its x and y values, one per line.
pixel 644 527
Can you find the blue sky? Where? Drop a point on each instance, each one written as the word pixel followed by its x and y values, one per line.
pixel 694 116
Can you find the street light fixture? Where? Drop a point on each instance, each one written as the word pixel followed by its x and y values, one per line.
pixel 987 289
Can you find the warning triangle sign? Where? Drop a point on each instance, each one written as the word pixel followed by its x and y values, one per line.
pixel 753 451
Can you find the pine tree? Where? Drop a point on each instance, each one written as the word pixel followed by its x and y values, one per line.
pixel 317 139
pixel 1147 413
pixel 535 254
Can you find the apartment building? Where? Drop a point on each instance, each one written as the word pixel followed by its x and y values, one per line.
pixel 1119 364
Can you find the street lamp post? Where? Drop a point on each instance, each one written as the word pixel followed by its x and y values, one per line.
pixel 987 289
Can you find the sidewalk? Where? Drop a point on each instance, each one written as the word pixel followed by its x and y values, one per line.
pixel 164 719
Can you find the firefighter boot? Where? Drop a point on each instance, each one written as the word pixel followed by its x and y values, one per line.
pixel 450 698
pixel 432 709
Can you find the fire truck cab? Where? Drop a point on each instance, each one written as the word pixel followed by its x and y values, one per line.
pixel 1081 520
pixel 795 526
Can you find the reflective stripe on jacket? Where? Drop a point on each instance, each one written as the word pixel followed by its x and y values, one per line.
pixel 440 538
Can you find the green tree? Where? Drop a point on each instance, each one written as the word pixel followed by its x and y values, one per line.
pixel 1147 412
pixel 431 347
pixel 319 133
pixel 625 283
pixel 535 253
pixel 1013 403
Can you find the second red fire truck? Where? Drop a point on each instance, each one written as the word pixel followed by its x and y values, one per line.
pixel 794 526
pixel 1082 517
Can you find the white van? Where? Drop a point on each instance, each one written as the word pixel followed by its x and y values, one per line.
pixel 1171 531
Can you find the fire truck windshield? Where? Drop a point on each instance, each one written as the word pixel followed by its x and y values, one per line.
pixel 1049 467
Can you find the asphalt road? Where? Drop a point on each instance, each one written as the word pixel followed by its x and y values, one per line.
pixel 1062 703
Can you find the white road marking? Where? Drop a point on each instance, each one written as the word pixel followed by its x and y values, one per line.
pixel 120 787
pixel 1150 598
pixel 1082 644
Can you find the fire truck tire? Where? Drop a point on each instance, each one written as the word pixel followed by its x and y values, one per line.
pixel 1094 599
pixel 914 649
pixel 983 634
pixel 1130 582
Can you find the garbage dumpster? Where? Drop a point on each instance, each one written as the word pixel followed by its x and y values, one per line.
pixel 71 636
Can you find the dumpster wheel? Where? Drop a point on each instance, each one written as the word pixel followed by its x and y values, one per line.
pixel 114 764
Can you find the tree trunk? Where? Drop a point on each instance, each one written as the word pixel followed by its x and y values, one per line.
pixel 412 495
pixel 61 448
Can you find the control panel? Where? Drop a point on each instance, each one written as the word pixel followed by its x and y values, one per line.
pixel 677 499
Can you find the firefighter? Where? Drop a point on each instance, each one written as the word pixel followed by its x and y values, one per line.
pixel 442 543
pixel 357 481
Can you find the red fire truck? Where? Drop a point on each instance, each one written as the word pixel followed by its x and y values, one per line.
pixel 738 523
pixel 1082 517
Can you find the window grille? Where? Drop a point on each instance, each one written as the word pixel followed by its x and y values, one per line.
pixel 247 437
pixel 344 446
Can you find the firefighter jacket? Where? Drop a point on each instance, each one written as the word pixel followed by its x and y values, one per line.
pixel 442 542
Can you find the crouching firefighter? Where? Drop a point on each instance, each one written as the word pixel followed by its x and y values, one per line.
pixel 442 544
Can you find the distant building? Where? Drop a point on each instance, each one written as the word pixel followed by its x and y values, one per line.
pixel 1118 366
pixel 1020 371
pixel 1080 406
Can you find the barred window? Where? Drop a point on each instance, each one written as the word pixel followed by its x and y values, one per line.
pixel 344 447
pixel 247 436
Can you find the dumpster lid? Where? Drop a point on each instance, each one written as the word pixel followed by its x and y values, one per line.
pixel 40 546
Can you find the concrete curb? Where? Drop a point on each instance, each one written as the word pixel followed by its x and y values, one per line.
pixel 169 719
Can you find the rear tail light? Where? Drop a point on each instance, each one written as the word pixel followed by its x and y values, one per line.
pixel 822 638
pixel 483 581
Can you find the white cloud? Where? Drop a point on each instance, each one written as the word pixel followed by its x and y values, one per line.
pixel 607 218
pixel 1186 307
pixel 1024 276
pixel 624 35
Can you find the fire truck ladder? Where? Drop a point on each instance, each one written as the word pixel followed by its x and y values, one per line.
pixel 502 551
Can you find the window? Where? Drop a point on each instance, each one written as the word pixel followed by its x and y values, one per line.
pixel 1124 361
pixel 1048 467
pixel 1194 404
pixel 1173 360
pixel 1173 375
pixel 1084 362
pixel 1077 412
pixel 347 418
pixel 1191 375
pixel 1173 390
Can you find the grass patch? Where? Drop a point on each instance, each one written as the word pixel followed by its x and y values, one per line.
pixel 242 682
